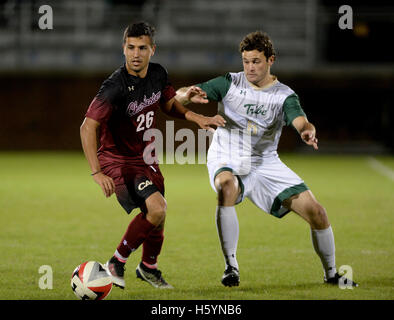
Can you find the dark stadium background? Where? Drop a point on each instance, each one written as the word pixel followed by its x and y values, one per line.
pixel 344 78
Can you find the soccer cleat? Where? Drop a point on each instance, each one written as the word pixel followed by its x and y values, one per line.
pixel 116 270
pixel 152 276
pixel 335 280
pixel 231 277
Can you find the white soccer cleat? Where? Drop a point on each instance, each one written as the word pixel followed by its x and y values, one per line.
pixel 116 269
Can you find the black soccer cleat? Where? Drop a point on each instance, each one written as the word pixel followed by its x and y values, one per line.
pixel 116 270
pixel 231 277
pixel 152 276
pixel 336 278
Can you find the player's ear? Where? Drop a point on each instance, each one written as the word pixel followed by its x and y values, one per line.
pixel 153 50
pixel 271 60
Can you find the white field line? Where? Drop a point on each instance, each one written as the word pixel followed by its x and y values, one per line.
pixel 381 168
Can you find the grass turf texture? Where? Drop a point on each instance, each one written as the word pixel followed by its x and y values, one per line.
pixel 52 213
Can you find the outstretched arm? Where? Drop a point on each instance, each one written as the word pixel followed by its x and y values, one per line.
pixel 193 94
pixel 175 109
pixel 306 130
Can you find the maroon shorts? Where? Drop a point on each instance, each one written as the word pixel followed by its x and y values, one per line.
pixel 135 183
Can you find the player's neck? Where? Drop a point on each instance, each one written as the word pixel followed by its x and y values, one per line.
pixel 139 74
pixel 268 81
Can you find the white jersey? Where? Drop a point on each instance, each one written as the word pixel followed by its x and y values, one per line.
pixel 247 145
pixel 254 117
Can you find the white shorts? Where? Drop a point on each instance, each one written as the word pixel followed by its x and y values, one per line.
pixel 267 184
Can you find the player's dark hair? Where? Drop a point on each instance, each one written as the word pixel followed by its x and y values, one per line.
pixel 139 29
pixel 260 41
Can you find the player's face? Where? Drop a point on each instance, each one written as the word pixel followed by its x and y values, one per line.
pixel 256 66
pixel 138 52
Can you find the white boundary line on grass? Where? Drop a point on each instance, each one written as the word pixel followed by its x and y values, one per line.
pixel 381 168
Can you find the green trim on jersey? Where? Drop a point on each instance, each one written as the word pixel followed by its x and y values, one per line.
pixel 216 88
pixel 286 194
pixel 292 109
pixel 241 185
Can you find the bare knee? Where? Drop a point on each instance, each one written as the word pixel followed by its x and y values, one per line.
pixel 228 189
pixel 318 217
pixel 306 206
pixel 156 217
pixel 157 207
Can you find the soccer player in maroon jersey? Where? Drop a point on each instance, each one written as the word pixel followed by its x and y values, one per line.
pixel 124 108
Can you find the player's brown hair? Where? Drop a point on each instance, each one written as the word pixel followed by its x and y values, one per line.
pixel 140 29
pixel 260 41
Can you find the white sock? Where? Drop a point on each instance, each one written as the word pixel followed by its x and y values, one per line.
pixel 120 257
pixel 324 245
pixel 228 231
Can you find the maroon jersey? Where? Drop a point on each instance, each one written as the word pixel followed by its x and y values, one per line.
pixel 126 107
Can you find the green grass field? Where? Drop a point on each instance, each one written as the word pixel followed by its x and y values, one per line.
pixel 52 213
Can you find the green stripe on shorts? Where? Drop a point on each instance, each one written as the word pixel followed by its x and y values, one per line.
pixel 277 210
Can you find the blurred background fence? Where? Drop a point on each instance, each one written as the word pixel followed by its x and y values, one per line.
pixel 344 78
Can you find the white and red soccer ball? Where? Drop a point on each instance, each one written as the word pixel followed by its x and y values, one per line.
pixel 90 281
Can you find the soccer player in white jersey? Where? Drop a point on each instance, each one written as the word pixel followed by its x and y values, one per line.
pixel 256 106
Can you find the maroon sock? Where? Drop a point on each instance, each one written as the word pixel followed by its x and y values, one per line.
pixel 152 246
pixel 136 233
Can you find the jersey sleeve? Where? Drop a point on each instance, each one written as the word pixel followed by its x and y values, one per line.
pixel 168 92
pixel 292 109
pixel 100 109
pixel 216 88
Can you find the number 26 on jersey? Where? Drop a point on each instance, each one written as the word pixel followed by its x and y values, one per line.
pixel 145 121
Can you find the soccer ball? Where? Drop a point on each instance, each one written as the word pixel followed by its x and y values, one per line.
pixel 90 281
